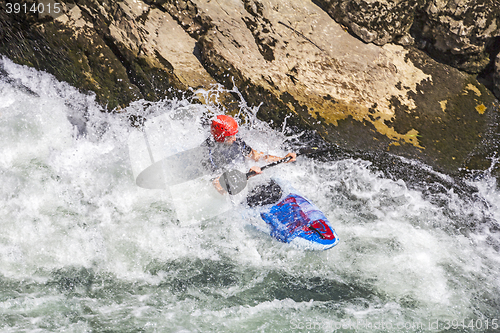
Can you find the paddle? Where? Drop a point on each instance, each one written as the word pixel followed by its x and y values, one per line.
pixel 234 181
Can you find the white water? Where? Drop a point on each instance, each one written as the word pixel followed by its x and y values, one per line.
pixel 83 249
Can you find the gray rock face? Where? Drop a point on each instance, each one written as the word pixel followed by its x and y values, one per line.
pixel 459 32
pixel 378 22
pixel 456 32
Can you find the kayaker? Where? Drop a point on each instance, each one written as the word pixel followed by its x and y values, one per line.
pixel 225 149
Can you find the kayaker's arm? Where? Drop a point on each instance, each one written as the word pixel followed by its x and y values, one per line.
pixel 217 186
pixel 256 156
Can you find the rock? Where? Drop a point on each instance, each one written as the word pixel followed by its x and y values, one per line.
pixel 459 33
pixel 496 76
pixel 378 22
pixel 71 50
pixel 147 33
pixel 118 50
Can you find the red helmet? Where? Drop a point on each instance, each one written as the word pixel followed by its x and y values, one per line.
pixel 223 126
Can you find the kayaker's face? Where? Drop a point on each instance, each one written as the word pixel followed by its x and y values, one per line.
pixel 230 140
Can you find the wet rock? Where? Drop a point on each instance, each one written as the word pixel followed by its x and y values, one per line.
pixel 459 33
pixel 378 22
pixel 496 76
pixel 83 59
pixel 121 51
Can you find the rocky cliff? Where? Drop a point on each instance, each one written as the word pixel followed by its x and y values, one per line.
pixel 388 75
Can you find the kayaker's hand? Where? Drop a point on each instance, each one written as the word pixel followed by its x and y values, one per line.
pixel 217 186
pixel 256 170
pixel 293 157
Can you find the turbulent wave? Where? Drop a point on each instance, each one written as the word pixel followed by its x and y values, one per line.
pixel 82 248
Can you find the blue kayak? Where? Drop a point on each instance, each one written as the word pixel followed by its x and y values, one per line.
pixel 298 222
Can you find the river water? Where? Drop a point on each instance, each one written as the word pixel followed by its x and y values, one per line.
pixel 83 249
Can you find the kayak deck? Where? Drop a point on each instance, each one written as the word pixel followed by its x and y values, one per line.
pixel 296 221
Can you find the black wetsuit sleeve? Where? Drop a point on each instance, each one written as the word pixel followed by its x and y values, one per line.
pixel 220 156
pixel 245 148
pixel 208 162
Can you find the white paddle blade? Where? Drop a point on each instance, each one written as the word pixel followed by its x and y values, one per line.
pixel 175 169
pixel 198 200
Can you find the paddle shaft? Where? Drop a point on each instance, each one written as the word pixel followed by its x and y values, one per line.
pixel 286 159
pixel 234 181
pixel 283 160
